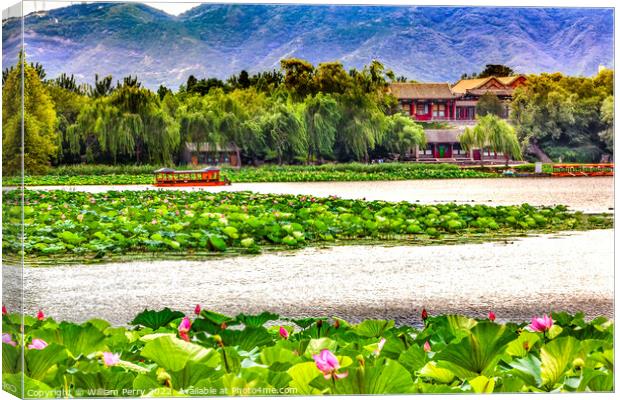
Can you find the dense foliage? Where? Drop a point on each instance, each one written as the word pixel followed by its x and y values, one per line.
pixel 115 223
pixel 569 118
pixel 489 103
pixel 165 353
pixel 38 127
pixel 299 114
pixel 493 133
pixel 143 174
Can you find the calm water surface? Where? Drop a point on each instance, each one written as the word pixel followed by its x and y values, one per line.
pixel 584 194
pixel 517 279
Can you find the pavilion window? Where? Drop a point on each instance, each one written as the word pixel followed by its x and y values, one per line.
pixel 439 110
pixel 406 107
pixel 421 108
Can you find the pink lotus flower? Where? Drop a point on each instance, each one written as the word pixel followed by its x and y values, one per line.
pixel 110 359
pixel 37 344
pixel 6 338
pixel 184 328
pixel 40 315
pixel 154 221
pixel 197 309
pixel 491 316
pixel 427 346
pixel 328 364
pixel 283 333
pixel 541 324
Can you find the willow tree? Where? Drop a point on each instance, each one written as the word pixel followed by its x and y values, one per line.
pixel 321 117
pixel 403 134
pixel 217 119
pixel 492 132
pixel 38 122
pixel 361 127
pixel 127 124
pixel 285 132
pixel 607 117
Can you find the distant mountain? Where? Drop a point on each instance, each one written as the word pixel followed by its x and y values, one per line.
pixel 423 43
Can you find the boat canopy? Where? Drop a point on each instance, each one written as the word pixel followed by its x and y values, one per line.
pixel 196 171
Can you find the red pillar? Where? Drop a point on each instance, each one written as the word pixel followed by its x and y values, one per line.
pixel 454 109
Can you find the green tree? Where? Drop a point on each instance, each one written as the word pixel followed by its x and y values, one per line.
pixel 561 115
pixel 129 124
pixel 298 76
pixel 331 77
pixel 69 83
pixel 489 103
pixel 496 70
pixel 322 117
pixel 162 91
pixel 361 127
pixel 607 116
pixel 102 87
pixel 38 123
pixel 68 103
pixel 403 134
pixel 492 132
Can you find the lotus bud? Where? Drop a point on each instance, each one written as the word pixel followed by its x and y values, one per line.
pixel 184 328
pixel 223 326
pixel 427 347
pixel 40 315
pixel 424 315
pixel 283 333
pixel 491 316
pixel 197 309
pixel 4 312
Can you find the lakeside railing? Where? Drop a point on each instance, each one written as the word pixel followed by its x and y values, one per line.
pixel 583 169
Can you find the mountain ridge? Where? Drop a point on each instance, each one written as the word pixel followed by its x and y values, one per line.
pixel 422 43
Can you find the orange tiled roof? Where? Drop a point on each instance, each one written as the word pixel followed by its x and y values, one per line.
pixel 464 85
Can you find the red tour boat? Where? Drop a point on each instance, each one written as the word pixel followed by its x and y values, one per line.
pixel 209 176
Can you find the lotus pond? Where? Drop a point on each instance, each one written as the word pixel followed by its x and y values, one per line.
pixel 116 222
pixel 165 353
pixel 143 175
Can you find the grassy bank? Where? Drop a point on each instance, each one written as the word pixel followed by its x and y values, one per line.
pixel 166 353
pixel 96 225
pixel 136 175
